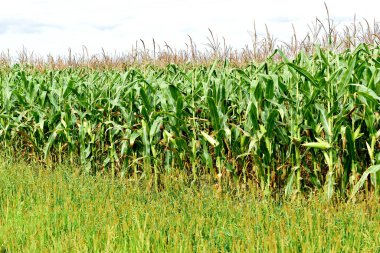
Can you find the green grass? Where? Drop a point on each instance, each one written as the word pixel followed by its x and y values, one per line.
pixel 65 211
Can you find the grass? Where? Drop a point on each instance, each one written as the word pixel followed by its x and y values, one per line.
pixel 65 211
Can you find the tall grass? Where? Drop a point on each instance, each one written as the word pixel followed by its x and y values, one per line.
pixel 292 126
pixel 60 211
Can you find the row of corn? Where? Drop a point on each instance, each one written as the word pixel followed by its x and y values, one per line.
pixel 292 126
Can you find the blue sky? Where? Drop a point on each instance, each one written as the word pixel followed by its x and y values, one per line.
pixel 53 26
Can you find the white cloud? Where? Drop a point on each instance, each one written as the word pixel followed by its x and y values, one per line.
pixel 53 26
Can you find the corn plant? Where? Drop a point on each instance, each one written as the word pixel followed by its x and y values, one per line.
pixel 291 126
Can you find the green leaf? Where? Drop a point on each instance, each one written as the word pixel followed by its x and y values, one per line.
pixel 329 187
pixel 210 139
pixel 271 121
pixel 133 138
pixel 371 170
pixel 49 144
pixel 304 73
pixel 366 92
pixel 213 113
pixel 155 128
pixel 252 115
pixel 325 123
pixel 289 184
pixel 321 144
pixel 145 100
pixel 269 88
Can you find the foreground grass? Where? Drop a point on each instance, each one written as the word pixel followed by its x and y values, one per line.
pixel 62 211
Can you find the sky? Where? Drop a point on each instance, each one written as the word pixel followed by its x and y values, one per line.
pixel 53 26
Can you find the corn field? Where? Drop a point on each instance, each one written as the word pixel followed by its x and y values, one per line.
pixel 293 126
